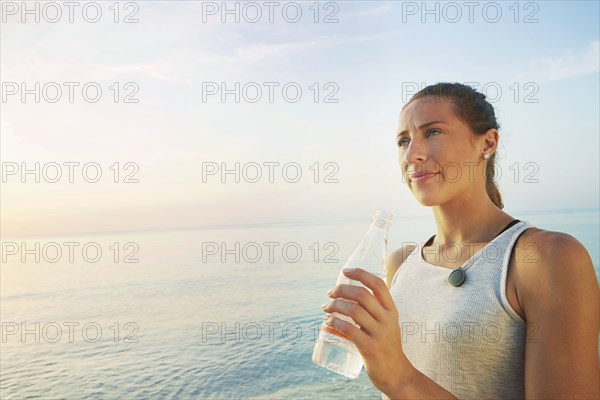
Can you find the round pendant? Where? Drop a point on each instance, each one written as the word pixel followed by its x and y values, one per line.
pixel 457 277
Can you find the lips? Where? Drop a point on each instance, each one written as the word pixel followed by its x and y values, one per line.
pixel 422 176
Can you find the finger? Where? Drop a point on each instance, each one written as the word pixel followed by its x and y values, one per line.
pixel 373 282
pixel 354 311
pixel 362 296
pixel 352 333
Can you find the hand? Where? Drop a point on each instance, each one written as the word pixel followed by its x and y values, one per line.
pixel 379 339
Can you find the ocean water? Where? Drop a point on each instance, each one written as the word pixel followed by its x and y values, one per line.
pixel 188 320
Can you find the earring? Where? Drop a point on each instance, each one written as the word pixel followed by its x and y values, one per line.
pixel 486 156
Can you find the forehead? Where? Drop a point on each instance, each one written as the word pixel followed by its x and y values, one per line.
pixel 426 109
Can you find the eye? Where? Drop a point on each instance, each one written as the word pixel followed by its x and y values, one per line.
pixel 404 142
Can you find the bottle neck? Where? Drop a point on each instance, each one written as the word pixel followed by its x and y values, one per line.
pixel 370 253
pixel 381 223
pixel 378 231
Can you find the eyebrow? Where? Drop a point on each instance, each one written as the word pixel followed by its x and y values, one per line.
pixel 421 127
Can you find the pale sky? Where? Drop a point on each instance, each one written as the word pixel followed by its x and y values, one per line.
pixel 368 60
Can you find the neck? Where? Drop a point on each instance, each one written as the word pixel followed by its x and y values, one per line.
pixel 468 219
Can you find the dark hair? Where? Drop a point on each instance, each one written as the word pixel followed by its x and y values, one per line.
pixel 472 107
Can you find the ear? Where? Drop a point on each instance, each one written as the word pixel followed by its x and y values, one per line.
pixel 490 141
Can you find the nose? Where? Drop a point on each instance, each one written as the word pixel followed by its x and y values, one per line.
pixel 416 152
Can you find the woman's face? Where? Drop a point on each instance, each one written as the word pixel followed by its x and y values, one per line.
pixel 432 139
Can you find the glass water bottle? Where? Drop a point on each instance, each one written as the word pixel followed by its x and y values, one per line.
pixel 333 350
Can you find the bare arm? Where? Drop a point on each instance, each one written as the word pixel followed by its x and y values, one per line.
pixel 559 295
pixel 419 386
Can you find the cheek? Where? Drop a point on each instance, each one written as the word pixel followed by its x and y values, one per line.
pixel 401 155
pixel 451 172
pixel 454 165
pixel 460 174
pixel 401 162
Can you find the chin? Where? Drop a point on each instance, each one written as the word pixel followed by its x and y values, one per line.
pixel 428 202
pixel 427 199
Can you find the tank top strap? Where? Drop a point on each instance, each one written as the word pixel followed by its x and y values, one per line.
pixel 510 248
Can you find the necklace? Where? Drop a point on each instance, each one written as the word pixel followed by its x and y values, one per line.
pixel 458 276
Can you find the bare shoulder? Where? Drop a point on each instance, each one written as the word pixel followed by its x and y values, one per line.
pixel 395 259
pixel 557 288
pixel 550 261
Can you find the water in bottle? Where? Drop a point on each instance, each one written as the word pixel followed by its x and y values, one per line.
pixel 333 350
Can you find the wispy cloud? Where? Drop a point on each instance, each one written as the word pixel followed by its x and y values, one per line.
pixel 184 64
pixel 572 64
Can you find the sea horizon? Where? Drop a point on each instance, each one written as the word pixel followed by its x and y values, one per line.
pixel 291 223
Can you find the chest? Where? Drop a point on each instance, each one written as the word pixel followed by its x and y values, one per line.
pixel 451 257
pixel 455 257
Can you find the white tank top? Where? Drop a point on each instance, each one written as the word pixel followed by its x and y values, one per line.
pixel 467 339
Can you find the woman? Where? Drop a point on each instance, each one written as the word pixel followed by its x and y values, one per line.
pixel 490 306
